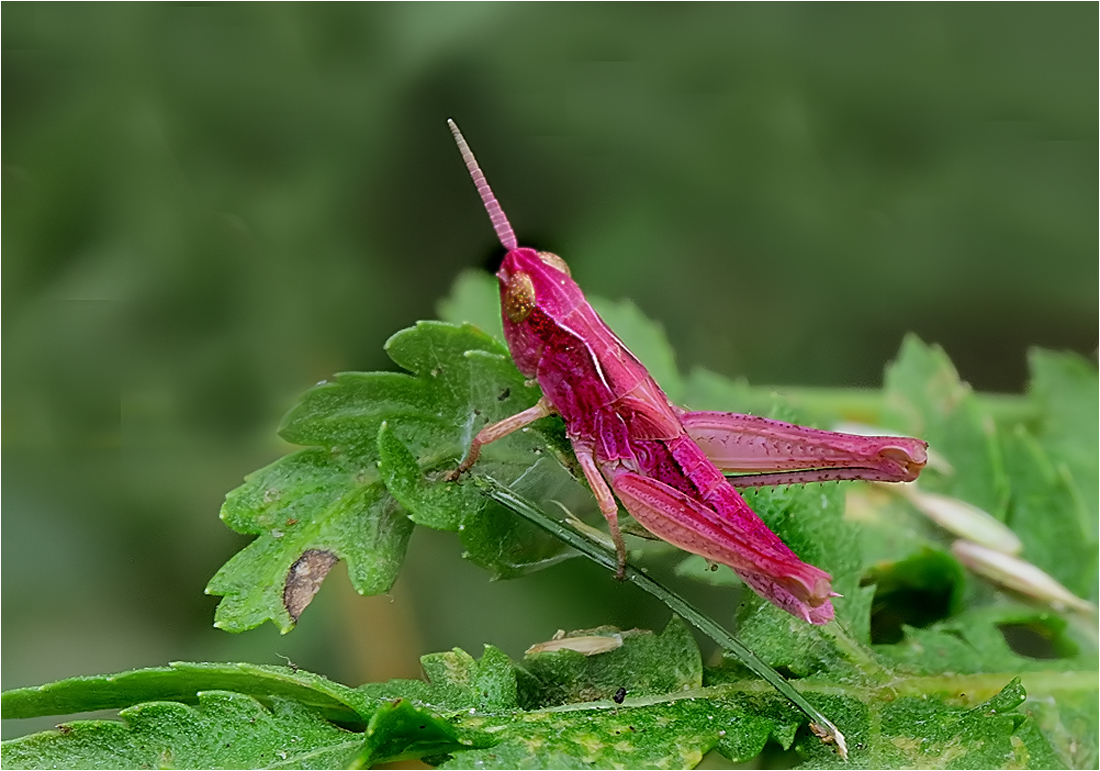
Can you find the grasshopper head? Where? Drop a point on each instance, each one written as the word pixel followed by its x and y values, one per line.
pixel 536 294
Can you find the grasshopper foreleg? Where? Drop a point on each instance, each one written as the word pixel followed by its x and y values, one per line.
pixel 500 429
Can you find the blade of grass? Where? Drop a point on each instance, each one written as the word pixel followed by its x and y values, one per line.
pixel 598 554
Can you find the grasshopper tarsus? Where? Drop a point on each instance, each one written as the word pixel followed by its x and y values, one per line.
pixel 466 464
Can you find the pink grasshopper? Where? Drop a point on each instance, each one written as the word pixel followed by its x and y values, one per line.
pixel 663 462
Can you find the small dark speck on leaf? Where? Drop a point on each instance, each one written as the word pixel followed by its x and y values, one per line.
pixel 304 578
pixel 65 730
pixel 504 394
pixel 620 696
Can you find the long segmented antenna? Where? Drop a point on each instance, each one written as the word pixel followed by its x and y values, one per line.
pixel 496 214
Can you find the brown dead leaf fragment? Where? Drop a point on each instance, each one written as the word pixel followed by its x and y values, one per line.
pixel 304 578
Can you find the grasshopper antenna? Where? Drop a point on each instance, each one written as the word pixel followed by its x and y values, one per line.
pixel 496 214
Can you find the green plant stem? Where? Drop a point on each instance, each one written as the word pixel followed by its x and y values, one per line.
pixel 678 604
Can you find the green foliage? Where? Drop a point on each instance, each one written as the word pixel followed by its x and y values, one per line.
pixel 926 666
pixel 924 397
pixel 332 497
pixel 209 207
pixel 224 730
pixel 467 715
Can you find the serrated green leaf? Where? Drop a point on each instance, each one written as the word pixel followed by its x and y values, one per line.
pixel 183 682
pixel 706 390
pixel 459 680
pixel 677 729
pixel 1066 386
pixel 225 730
pixel 399 730
pixel 671 715
pixel 647 664
pixel 442 506
pixel 924 398
pixel 330 501
pixel 309 502
pixel 926 733
pixel 975 641
pixel 345 412
pixel 1049 515
pixel 916 591
pixel 673 731
pixel 1069 722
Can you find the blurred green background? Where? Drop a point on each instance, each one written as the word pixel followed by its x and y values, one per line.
pixel 208 208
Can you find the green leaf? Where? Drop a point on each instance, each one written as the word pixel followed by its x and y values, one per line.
pixel 400 730
pixel 1050 515
pixel 926 734
pixel 670 731
pixel 672 713
pixel 977 640
pixel 183 682
pixel 647 664
pixel 225 730
pixel 331 501
pixel 924 398
pixel 312 504
pixel 915 591
pixel 1066 387
pixel 460 681
pixel 706 390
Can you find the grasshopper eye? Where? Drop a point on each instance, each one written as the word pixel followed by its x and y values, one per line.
pixel 554 261
pixel 519 298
